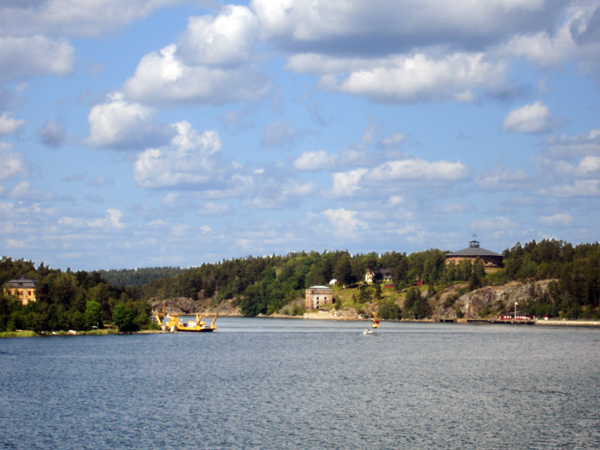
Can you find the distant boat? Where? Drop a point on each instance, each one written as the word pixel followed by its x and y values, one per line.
pixel 375 323
pixel 375 320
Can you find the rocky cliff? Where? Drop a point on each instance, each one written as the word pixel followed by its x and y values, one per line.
pixel 489 300
pixel 453 303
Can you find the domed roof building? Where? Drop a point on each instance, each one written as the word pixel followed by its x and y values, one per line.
pixel 490 259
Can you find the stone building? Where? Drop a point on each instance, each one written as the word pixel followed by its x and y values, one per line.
pixel 23 289
pixel 489 259
pixel 317 296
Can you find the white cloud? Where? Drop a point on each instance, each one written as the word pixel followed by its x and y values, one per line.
pixel 557 220
pixel 428 50
pixel 212 64
pixel 225 40
pixel 406 79
pixel 325 24
pixel 565 147
pixel 13 163
pixel 319 160
pixel 541 47
pixel 394 175
pixel 34 56
pixel 24 191
pixel 533 119
pixel 190 160
pixel 589 167
pixel 344 221
pixel 580 188
pixel 394 141
pixel 418 171
pixel 124 125
pixel 8 125
pixel 74 17
pixel 15 244
pixel 161 78
pixel 112 221
pixel 346 184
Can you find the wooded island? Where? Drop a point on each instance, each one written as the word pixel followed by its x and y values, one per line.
pixel 554 279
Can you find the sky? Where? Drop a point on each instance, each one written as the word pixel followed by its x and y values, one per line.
pixel 178 132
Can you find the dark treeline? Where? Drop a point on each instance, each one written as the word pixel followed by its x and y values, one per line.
pixel 265 285
pixel 69 300
pixel 138 277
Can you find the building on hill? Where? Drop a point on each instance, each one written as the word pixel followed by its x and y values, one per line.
pixel 317 296
pixel 489 259
pixel 23 289
pixel 382 274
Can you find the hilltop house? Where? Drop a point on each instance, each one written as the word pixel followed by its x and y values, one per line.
pixel 317 296
pixel 23 289
pixel 489 259
pixel 383 274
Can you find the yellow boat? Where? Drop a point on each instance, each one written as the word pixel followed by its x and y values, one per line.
pixel 173 324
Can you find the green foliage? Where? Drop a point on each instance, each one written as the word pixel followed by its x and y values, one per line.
pixel 93 315
pixel 65 300
pixel 265 285
pixel 298 310
pixel 124 319
pixel 415 306
pixel 389 311
pixel 138 277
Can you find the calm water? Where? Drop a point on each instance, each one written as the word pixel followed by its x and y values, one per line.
pixel 294 384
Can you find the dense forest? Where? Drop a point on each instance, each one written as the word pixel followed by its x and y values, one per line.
pixel 137 277
pixel 271 284
pixel 69 301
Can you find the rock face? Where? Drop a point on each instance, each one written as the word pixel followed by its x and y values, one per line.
pixel 487 300
pixel 184 305
pixel 454 303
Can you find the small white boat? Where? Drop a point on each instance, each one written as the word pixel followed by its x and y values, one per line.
pixel 367 331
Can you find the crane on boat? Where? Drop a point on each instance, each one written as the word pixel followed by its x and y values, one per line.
pixel 174 324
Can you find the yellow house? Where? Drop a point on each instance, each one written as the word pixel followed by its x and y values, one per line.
pixel 23 289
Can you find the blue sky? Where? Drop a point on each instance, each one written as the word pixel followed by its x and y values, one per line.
pixel 173 132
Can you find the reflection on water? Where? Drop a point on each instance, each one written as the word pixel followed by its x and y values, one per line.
pixel 295 384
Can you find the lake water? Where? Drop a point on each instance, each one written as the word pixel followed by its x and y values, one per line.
pixel 295 384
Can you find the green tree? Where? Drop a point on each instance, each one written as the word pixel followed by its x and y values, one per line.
pixel 123 318
pixel 343 270
pixel 415 305
pixel 93 314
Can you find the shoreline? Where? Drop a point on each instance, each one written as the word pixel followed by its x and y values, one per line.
pixel 555 323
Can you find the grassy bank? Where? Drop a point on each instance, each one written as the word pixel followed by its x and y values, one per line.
pixel 12 334
pixel 26 333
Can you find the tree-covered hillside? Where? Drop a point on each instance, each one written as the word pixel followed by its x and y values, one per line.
pixel 270 284
pixel 137 277
pixel 68 300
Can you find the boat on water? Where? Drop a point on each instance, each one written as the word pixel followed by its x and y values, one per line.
pixel 173 323
pixel 375 320
pixel 374 325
